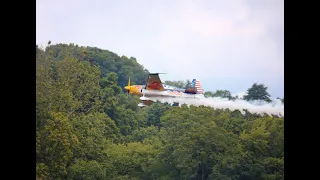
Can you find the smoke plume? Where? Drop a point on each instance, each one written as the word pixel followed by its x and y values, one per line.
pixel 259 107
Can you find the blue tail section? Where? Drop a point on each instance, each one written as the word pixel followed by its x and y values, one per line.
pixel 193 83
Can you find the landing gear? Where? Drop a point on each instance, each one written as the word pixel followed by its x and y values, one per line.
pixel 143 98
pixel 141 105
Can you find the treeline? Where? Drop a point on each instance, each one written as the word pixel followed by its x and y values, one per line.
pixel 88 128
pixel 107 61
pixel 255 92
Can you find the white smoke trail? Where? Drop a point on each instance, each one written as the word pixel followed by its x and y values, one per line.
pixel 259 107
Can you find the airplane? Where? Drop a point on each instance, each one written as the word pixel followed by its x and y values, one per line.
pixel 155 88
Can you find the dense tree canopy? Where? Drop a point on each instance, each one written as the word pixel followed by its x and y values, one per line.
pixel 107 62
pixel 257 92
pixel 87 127
pixel 219 93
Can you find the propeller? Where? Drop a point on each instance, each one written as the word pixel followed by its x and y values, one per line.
pixel 129 86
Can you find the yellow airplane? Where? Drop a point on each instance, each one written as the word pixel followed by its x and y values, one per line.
pixel 155 88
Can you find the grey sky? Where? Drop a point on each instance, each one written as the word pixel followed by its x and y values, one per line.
pixel 227 44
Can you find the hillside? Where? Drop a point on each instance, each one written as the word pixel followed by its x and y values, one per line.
pixel 107 62
pixel 87 127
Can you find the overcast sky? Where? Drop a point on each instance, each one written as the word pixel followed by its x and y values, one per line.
pixel 227 44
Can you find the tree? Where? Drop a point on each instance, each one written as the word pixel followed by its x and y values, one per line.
pixel 220 93
pixel 83 169
pixel 55 144
pixel 87 127
pixel 196 146
pixel 107 62
pixel 92 131
pixel 130 161
pixel 263 142
pixel 154 113
pixel 208 94
pixel 257 92
pixel 282 99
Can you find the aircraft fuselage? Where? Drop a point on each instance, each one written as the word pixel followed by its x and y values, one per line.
pixel 155 90
pixel 146 95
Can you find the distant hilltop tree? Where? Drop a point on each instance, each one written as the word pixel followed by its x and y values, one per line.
pixel 257 92
pixel 281 99
pixel 219 93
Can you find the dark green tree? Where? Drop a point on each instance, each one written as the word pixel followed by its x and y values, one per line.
pixel 282 99
pixel 154 113
pixel 220 93
pixel 257 92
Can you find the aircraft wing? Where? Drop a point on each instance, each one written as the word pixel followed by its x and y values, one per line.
pixel 168 87
pixel 154 82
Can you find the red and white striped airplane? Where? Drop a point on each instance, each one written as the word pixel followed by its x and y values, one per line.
pixel 155 88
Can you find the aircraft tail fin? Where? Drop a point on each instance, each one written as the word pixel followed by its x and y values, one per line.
pixel 195 87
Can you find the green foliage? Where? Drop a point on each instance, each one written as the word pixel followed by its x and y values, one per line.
pixel 132 160
pixel 107 61
pixel 87 170
pixel 220 93
pixel 282 99
pixel 87 127
pixel 42 171
pixel 116 106
pixel 77 86
pixel 264 145
pixel 257 92
pixel 91 132
pixel 143 133
pixel 197 145
pixel 154 113
pixel 56 141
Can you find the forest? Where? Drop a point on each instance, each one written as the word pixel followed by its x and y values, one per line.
pixel 88 127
